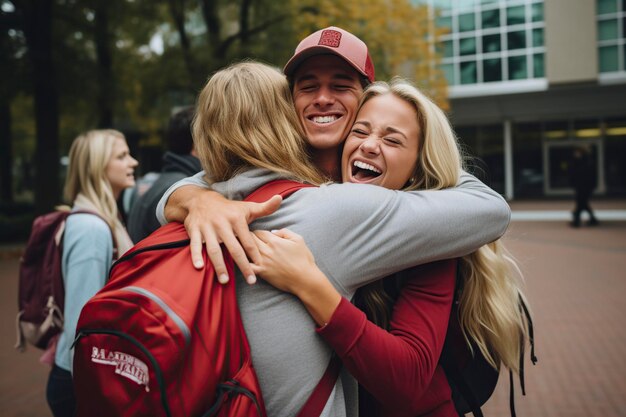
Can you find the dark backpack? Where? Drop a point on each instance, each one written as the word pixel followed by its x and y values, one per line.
pixel 163 338
pixel 41 291
pixel 472 379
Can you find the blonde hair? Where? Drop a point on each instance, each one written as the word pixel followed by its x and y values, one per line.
pixel 489 309
pixel 245 118
pixel 89 156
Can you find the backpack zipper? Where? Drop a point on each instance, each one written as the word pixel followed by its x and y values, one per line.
pixel 168 310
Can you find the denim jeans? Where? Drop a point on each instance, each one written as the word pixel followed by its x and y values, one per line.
pixel 60 393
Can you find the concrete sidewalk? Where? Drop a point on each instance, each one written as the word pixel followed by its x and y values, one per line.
pixel 575 282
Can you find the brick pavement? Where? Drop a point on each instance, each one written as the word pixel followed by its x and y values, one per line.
pixel 576 282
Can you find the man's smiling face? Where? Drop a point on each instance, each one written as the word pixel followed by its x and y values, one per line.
pixel 326 94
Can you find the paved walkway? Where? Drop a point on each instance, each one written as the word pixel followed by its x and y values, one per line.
pixel 576 285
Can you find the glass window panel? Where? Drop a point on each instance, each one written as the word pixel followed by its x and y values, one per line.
pixel 448 71
pixel 466 22
pixel 444 48
pixel 515 15
pixel 517 68
pixel 608 59
pixel 538 66
pixel 607 29
pixel 538 37
pixel 444 22
pixel 491 43
pixel 468 72
pixel 606 6
pixel 537 12
pixel 488 1
pixel 467 46
pixel 492 70
pixel 516 40
pixel 490 19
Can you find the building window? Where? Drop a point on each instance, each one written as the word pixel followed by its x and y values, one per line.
pixel 538 66
pixel 516 40
pixel 537 12
pixel 538 37
pixel 467 46
pixel 489 41
pixel 515 15
pixel 517 68
pixel 492 70
pixel 466 22
pixel 609 59
pixel 611 19
pixel 468 73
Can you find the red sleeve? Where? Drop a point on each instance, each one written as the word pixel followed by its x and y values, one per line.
pixel 397 367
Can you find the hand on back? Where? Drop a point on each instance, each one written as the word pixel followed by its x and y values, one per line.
pixel 213 220
pixel 285 260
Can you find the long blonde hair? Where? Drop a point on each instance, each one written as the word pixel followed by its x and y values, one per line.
pixel 245 118
pixel 489 309
pixel 89 156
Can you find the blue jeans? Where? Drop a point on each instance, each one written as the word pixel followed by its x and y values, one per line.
pixel 60 393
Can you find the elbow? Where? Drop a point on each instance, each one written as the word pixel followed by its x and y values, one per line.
pixel 503 217
pixel 499 217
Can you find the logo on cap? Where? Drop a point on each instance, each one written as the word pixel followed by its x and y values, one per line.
pixel 330 38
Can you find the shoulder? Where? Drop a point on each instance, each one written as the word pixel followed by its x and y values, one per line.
pixel 346 193
pixel 88 229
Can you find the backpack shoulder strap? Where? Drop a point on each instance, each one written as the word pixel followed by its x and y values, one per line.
pixel 319 397
pixel 284 188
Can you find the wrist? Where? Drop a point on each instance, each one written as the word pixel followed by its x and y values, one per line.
pixel 319 297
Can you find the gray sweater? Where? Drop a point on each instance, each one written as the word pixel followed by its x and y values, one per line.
pixel 357 233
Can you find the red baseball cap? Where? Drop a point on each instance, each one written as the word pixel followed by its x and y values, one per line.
pixel 336 41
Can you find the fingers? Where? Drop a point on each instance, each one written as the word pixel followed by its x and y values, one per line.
pixel 239 256
pixel 266 208
pixel 264 236
pixel 195 247
pixel 287 234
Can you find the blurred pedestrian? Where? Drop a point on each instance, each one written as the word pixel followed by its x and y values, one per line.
pixel 179 162
pixel 100 167
pixel 583 180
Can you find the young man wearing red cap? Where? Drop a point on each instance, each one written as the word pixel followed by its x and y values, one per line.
pixel 328 72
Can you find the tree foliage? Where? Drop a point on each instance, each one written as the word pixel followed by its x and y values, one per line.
pixel 127 64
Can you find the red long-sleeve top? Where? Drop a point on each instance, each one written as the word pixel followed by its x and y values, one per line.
pixel 399 367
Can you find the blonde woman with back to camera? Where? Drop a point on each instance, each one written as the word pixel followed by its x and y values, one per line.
pixel 100 168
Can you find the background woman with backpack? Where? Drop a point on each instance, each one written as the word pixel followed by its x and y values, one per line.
pixel 100 168
pixel 401 139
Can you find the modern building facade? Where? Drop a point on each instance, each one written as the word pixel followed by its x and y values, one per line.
pixel 530 80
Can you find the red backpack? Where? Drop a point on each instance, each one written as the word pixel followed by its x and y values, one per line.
pixel 41 293
pixel 165 339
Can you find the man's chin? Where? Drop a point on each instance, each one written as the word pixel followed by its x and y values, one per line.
pixel 325 142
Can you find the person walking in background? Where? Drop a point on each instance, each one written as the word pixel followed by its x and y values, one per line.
pixel 179 162
pixel 100 168
pixel 583 180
